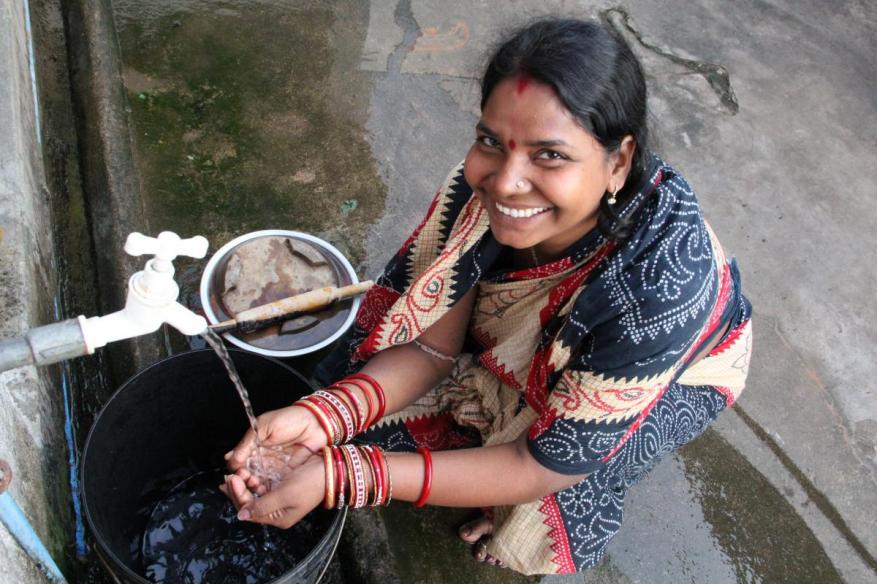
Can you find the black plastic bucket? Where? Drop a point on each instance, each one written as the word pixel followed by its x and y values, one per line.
pixel 181 413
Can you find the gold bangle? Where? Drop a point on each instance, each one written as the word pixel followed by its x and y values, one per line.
pixel 389 478
pixel 328 460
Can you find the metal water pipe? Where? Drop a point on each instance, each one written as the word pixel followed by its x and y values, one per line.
pixel 151 302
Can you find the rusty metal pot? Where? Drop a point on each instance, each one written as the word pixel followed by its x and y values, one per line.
pixel 265 266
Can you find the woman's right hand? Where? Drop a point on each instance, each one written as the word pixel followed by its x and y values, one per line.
pixel 293 429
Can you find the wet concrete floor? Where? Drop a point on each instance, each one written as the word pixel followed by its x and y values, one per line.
pixel 710 517
pixel 340 118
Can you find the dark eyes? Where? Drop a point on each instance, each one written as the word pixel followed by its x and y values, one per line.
pixel 551 155
pixel 488 141
pixel 494 144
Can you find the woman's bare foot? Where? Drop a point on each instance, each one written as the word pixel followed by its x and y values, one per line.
pixel 478 532
pixel 472 531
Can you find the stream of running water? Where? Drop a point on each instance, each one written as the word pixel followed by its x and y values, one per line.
pixel 192 533
pixel 256 464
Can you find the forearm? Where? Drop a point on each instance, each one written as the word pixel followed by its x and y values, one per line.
pixel 476 477
pixel 390 381
pixel 405 373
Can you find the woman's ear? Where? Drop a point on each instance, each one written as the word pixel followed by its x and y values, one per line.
pixel 620 163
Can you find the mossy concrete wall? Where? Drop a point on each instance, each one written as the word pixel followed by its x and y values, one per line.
pixel 114 204
pixel 31 406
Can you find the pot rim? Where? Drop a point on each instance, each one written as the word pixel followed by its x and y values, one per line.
pixel 220 254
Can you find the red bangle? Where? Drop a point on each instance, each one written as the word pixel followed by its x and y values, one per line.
pixel 368 399
pixel 377 473
pixel 382 470
pixel 340 480
pixel 365 451
pixel 343 414
pixel 317 402
pixel 427 477
pixel 379 391
pixel 385 470
pixel 353 399
pixel 324 423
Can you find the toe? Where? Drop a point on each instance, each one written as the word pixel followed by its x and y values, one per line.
pixel 473 531
pixel 465 533
pixel 479 551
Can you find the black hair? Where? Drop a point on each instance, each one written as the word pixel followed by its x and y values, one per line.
pixel 598 79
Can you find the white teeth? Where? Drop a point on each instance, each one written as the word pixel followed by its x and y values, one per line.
pixel 520 212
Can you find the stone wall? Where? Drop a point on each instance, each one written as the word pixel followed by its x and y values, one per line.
pixel 31 404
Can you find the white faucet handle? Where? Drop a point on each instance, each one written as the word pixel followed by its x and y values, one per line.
pixel 166 246
pixel 194 247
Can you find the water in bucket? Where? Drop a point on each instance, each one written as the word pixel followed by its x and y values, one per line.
pixel 193 536
pixel 170 422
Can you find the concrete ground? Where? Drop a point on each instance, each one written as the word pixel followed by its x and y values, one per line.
pixel 341 118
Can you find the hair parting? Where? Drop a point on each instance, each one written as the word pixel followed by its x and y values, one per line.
pixel 599 80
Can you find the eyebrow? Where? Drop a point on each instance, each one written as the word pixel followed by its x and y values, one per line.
pixel 537 143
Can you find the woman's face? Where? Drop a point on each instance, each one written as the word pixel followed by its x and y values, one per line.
pixel 537 172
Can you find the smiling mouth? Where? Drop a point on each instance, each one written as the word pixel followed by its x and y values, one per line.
pixel 520 213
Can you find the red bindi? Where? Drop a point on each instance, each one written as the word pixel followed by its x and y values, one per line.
pixel 521 86
pixel 512 144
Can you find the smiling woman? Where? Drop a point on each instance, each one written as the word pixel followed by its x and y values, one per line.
pixel 545 194
pixel 562 319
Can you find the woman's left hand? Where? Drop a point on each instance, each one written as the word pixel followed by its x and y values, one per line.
pixel 289 499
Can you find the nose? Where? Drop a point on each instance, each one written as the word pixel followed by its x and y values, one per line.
pixel 510 173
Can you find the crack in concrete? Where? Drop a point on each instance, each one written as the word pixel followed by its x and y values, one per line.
pixel 715 75
pixel 818 498
pixel 841 422
pixel 404 18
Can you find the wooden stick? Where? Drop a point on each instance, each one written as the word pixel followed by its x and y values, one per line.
pixel 310 301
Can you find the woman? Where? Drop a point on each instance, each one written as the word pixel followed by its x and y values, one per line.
pixel 563 310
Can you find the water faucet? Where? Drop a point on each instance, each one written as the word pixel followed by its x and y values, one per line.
pixel 151 302
pixel 152 293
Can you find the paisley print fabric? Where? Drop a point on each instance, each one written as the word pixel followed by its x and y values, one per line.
pixel 591 355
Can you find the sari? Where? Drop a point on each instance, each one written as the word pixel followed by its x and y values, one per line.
pixel 592 355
